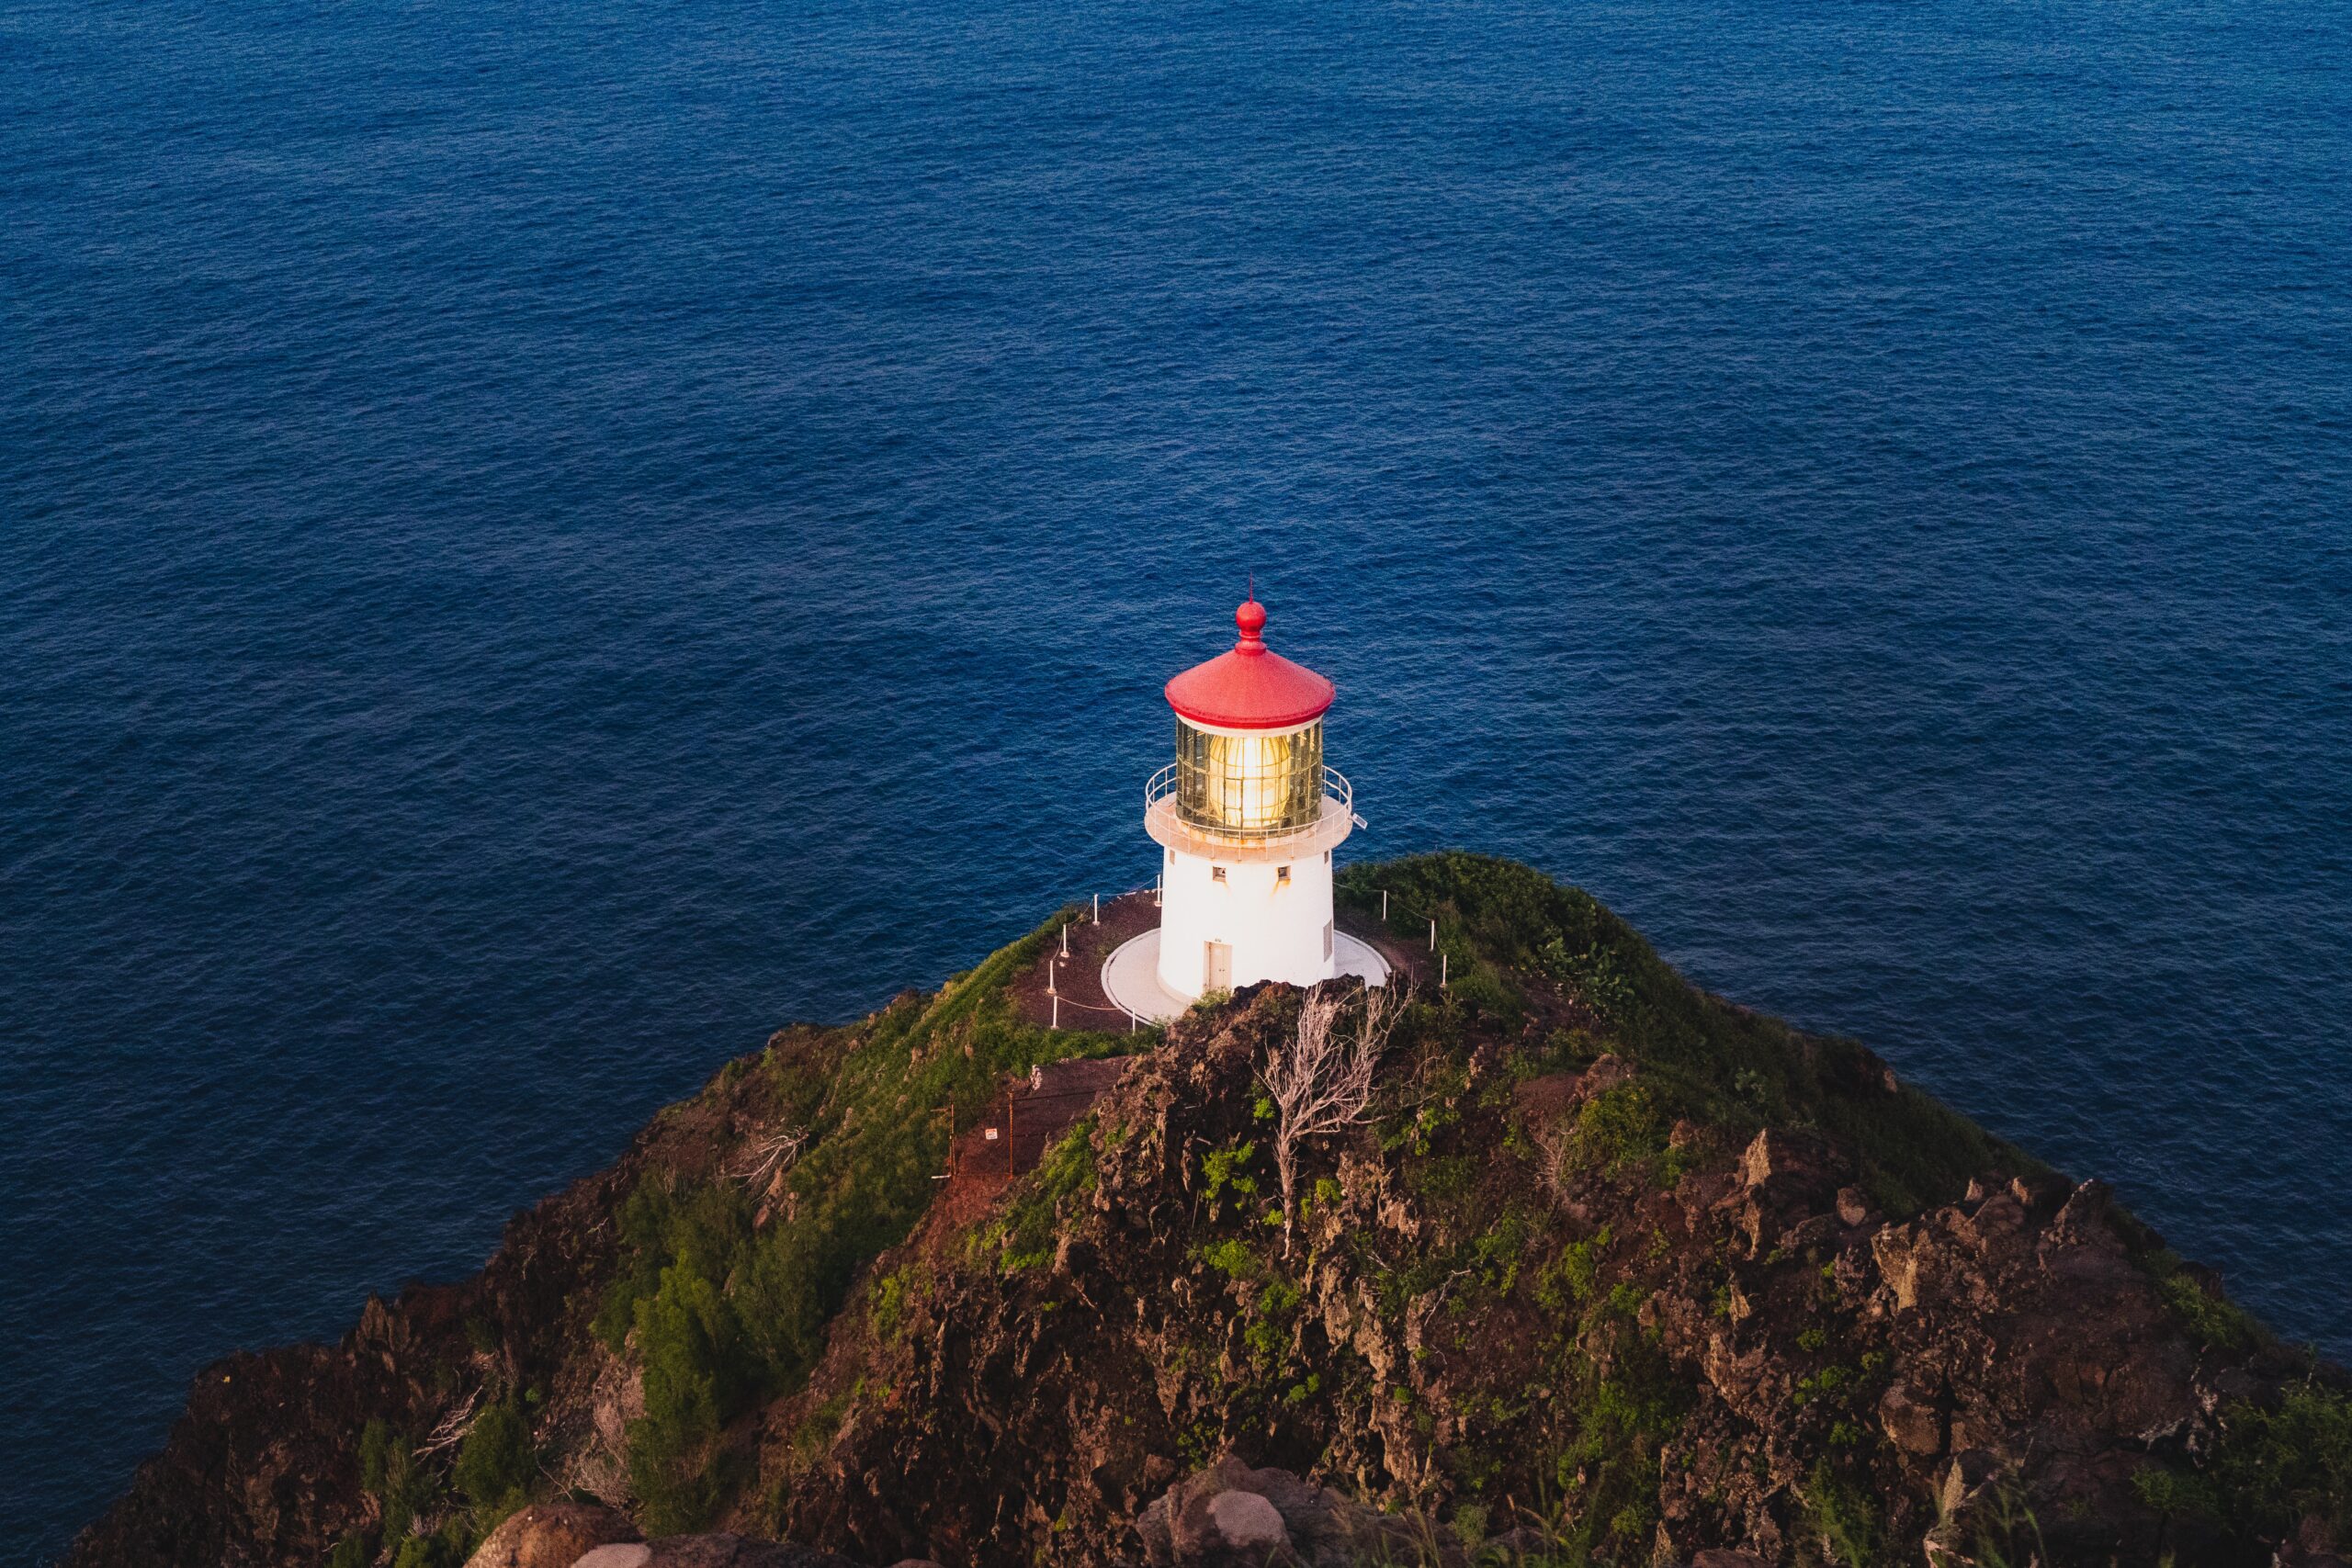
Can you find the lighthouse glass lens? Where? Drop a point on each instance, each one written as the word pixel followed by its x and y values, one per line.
pixel 1248 784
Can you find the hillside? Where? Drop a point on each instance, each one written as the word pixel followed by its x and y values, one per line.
pixel 1610 1271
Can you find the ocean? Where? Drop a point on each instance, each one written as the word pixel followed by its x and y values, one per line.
pixel 540 543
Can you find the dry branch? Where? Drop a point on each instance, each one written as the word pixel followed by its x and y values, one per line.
pixel 1319 1077
pixel 770 1154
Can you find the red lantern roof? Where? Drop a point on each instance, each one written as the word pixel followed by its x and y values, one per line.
pixel 1249 687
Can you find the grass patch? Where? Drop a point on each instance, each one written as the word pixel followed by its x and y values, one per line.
pixel 724 1314
pixel 1700 1057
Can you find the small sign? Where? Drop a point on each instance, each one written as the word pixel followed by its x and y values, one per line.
pixel 991 1135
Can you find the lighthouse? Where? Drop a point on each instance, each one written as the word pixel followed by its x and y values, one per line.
pixel 1246 818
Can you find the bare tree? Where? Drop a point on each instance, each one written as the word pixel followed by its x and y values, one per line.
pixel 1319 1077
pixel 769 1153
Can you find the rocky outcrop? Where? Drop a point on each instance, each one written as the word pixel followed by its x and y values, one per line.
pixel 2002 1354
pixel 1609 1273
pixel 263 1469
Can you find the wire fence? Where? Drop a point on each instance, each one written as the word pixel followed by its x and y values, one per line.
pixel 1445 959
pixel 1090 913
pixel 1093 915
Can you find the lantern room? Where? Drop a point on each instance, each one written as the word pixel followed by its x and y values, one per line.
pixel 1247 816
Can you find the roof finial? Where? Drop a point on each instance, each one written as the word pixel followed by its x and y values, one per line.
pixel 1251 619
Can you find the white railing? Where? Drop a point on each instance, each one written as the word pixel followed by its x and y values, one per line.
pixel 1162 785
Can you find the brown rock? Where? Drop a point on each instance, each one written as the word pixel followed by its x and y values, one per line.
pixel 1911 1423
pixel 1896 1250
pixel 551 1535
pixel 1230 1516
pixel 629 1554
pixel 1606 1073
pixel 1248 1522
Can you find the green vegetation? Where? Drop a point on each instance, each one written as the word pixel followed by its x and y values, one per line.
pixel 725 1314
pixel 1227 1171
pixel 1701 1059
pixel 390 1473
pixel 1626 1406
pixel 726 1286
pixel 888 1311
pixel 495 1463
pixel 2211 1319
pixel 1844 1521
pixel 2271 1469
pixel 1022 1236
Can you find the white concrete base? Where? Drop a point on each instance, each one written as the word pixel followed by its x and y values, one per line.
pixel 1131 974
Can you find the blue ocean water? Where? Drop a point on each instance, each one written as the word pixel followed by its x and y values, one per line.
pixel 541 542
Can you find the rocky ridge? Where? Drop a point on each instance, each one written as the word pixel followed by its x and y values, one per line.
pixel 1612 1271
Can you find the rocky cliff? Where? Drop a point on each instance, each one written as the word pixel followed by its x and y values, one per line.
pixel 1608 1270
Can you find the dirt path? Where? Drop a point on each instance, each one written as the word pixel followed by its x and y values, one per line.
pixel 1078 977
pixel 1027 1117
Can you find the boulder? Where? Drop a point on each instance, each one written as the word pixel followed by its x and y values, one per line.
pixel 552 1535
pixel 1230 1516
pixel 1790 1168
pixel 1248 1522
pixel 1911 1423
pixel 636 1554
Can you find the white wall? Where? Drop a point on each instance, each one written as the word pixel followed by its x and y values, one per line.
pixel 1277 929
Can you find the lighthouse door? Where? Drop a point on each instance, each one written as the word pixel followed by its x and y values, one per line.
pixel 1217 967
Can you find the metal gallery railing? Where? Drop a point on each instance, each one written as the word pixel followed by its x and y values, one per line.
pixel 1162 786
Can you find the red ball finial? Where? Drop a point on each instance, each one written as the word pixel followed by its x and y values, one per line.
pixel 1251 619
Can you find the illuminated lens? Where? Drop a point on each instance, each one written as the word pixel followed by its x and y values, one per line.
pixel 1249 784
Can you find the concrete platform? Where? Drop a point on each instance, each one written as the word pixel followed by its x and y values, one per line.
pixel 1131 974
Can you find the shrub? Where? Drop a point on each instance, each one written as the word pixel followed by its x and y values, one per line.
pixel 496 1462
pixel 2212 1319
pixel 724 1314
pixel 1618 1129
pixel 1701 1059
pixel 1841 1517
pixel 2273 1467
pixel 445 1548
pixel 690 1346
pixel 389 1472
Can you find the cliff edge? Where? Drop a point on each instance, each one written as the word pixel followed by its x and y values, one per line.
pixel 1602 1269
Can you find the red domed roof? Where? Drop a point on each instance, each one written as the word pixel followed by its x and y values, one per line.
pixel 1247 687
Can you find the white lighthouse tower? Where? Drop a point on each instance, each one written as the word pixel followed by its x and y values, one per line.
pixel 1246 818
